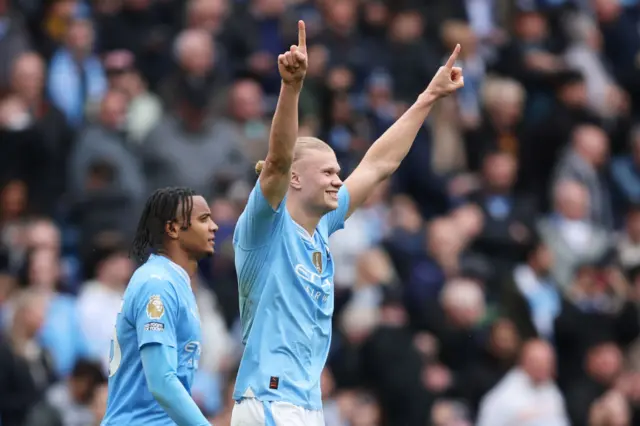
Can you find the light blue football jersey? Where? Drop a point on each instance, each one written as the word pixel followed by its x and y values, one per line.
pixel 285 279
pixel 158 307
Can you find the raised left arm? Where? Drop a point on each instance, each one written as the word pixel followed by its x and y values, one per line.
pixel 386 154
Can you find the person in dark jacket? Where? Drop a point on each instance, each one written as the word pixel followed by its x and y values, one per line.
pixel 18 392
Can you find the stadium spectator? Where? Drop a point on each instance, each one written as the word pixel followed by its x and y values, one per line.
pixel 527 392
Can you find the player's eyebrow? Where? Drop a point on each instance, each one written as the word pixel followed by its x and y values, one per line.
pixel 332 169
pixel 204 215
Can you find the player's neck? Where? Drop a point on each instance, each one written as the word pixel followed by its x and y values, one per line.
pixel 183 260
pixel 304 218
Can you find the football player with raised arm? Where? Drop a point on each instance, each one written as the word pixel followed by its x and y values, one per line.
pixel 285 270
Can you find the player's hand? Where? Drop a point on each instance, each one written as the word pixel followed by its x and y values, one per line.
pixel 292 65
pixel 448 79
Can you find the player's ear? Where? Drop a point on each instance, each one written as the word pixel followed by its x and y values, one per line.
pixel 295 180
pixel 171 229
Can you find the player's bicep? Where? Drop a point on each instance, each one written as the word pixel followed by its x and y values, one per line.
pixel 274 183
pixel 335 219
pixel 155 313
pixel 258 221
pixel 361 183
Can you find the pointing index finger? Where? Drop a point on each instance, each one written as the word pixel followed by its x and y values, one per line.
pixel 454 57
pixel 302 35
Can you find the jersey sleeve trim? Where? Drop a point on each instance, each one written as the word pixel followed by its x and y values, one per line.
pixel 265 203
pixel 258 221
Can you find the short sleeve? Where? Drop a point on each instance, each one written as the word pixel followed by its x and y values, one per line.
pixel 334 221
pixel 155 313
pixel 258 221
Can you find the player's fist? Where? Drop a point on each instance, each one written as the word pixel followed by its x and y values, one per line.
pixel 292 65
pixel 448 79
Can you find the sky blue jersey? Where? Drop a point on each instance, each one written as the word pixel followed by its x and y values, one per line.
pixel 285 279
pixel 158 307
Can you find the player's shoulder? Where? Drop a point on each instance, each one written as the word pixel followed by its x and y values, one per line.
pixel 244 229
pixel 152 277
pixel 151 290
pixel 152 272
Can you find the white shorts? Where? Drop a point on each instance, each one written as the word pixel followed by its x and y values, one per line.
pixel 251 412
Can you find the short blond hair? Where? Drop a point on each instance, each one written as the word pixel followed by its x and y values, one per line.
pixel 454 31
pixel 303 144
pixel 497 90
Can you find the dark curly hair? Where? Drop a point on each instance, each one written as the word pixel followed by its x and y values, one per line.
pixel 161 207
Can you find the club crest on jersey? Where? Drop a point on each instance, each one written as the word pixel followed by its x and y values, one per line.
pixel 317 261
pixel 155 308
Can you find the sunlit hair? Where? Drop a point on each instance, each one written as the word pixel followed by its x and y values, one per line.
pixel 462 293
pixel 569 189
pixel 498 90
pixel 303 144
pixel 23 301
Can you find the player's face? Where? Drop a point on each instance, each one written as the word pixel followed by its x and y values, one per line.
pixel 198 239
pixel 318 172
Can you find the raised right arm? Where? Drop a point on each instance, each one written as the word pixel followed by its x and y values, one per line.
pixel 275 173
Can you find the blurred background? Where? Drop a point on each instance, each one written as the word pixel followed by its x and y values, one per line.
pixel 494 280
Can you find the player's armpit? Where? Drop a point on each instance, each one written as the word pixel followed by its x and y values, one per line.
pixel 160 363
pixel 155 313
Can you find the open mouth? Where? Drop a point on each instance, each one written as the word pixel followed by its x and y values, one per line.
pixel 333 194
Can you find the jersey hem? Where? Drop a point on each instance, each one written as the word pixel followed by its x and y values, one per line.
pixel 304 406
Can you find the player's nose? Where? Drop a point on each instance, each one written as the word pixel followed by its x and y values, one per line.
pixel 213 227
pixel 337 182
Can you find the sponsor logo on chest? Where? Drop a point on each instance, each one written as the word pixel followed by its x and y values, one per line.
pixel 316 287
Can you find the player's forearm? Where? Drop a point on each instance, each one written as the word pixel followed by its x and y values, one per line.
pixel 284 129
pixel 178 404
pixel 386 153
pixel 160 363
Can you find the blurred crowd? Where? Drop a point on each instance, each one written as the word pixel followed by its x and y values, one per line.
pixel 494 280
